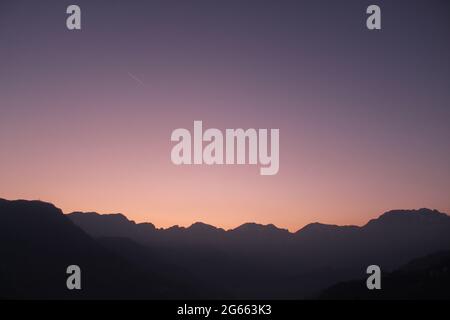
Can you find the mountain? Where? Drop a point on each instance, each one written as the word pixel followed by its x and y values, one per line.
pixel 392 239
pixel 425 278
pixel 268 262
pixel 112 225
pixel 124 259
pixel 37 244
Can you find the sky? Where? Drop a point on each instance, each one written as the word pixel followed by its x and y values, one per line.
pixel 86 116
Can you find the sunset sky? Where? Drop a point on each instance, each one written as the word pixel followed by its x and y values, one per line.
pixel 364 116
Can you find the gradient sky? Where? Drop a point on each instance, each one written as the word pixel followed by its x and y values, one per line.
pixel 364 117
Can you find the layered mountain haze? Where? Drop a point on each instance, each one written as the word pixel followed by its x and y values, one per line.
pixel 426 278
pixel 37 244
pixel 124 259
pixel 393 237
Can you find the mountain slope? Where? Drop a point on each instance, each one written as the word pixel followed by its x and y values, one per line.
pixel 424 278
pixel 38 242
pixel 264 261
pixel 123 259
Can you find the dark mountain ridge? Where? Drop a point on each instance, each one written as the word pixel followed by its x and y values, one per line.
pixel 201 261
pixel 424 278
pixel 37 244
pixel 301 262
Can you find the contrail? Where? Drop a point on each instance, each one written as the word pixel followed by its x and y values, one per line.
pixel 132 76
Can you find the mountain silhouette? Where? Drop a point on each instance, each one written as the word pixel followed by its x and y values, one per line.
pixel 37 244
pixel 293 265
pixel 424 278
pixel 123 259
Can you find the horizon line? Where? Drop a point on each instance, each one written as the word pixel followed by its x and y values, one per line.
pixel 220 228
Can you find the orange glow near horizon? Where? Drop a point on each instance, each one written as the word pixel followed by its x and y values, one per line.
pixel 86 117
pixel 121 163
pixel 147 187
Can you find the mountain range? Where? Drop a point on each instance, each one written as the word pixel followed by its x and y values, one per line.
pixel 426 278
pixel 121 259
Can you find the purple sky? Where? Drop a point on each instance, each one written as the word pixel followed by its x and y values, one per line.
pixel 86 116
